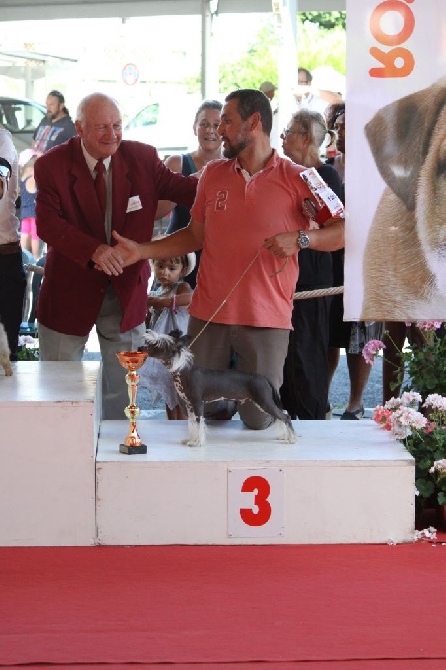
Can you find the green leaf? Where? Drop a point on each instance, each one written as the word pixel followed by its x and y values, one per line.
pixel 425 487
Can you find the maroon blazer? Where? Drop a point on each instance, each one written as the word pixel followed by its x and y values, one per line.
pixel 69 220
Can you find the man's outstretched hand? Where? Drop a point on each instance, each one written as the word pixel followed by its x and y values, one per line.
pixel 128 250
pixel 112 260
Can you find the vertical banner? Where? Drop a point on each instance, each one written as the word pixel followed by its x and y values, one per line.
pixel 395 267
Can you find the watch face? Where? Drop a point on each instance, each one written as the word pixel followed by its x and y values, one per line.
pixel 303 241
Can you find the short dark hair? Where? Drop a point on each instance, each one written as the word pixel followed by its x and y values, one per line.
pixel 207 104
pixel 250 101
pixel 308 75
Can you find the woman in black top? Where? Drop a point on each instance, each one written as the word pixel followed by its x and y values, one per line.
pixel 304 391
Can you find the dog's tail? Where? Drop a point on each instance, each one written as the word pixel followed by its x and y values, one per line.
pixel 276 396
pixel 285 427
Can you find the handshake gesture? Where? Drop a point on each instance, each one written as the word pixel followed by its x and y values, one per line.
pixel 113 260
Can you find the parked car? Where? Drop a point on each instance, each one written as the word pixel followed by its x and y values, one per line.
pixel 166 125
pixel 21 117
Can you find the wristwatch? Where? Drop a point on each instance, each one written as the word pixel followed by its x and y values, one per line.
pixel 303 240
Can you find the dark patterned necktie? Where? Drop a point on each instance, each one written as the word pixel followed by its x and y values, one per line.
pixel 99 184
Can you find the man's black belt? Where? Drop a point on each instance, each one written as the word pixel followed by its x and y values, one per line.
pixel 10 248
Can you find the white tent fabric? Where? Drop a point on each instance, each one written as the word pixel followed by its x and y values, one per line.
pixel 15 10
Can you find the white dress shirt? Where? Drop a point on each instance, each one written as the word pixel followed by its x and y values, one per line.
pixel 9 223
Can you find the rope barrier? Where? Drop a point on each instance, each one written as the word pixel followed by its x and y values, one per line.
pixel 301 295
pixel 318 293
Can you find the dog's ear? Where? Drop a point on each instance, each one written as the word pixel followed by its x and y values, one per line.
pixel 399 136
pixel 186 340
pixel 175 334
pixel 180 339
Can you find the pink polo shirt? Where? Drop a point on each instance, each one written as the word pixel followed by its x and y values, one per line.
pixel 238 216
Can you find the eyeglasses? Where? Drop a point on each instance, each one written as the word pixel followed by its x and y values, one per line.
pixel 286 132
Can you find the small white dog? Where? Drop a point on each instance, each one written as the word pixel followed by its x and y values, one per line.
pixel 4 352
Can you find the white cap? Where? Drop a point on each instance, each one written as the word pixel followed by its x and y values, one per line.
pixel 191 263
pixel 267 86
pixel 25 156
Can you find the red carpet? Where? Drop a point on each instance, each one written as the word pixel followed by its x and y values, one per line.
pixel 337 607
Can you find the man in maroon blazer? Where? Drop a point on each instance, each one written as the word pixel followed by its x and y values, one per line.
pixel 77 227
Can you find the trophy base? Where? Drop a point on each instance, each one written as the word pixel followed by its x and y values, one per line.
pixel 141 449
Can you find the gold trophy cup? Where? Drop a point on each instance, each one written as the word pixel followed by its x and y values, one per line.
pixel 131 361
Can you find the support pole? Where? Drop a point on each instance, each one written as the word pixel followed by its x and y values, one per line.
pixel 286 11
pixel 209 62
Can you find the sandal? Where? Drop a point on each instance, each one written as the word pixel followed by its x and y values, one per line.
pixel 357 414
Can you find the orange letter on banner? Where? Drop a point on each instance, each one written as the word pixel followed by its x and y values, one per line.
pixel 405 32
pixel 262 488
pixel 388 59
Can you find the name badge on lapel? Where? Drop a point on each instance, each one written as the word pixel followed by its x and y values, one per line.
pixel 134 203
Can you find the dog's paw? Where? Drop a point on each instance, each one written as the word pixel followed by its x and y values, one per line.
pixel 287 437
pixel 290 436
pixel 286 434
pixel 194 443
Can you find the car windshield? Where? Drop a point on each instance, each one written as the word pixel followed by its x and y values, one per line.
pixel 20 116
pixel 146 117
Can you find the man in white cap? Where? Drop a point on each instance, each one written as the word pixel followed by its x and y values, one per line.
pixel 268 89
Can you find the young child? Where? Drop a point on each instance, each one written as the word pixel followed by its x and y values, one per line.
pixel 29 239
pixel 168 303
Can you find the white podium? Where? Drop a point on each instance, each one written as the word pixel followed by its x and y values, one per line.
pixel 61 484
pixel 49 417
pixel 343 482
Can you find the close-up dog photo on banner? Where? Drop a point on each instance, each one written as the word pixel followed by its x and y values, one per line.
pixel 395 266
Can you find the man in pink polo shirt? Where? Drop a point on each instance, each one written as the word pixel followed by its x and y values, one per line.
pixel 250 222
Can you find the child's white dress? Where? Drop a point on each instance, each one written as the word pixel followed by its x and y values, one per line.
pixel 153 375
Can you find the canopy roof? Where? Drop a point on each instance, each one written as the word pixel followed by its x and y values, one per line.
pixel 15 10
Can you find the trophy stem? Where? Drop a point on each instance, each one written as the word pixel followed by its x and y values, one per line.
pixel 132 360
